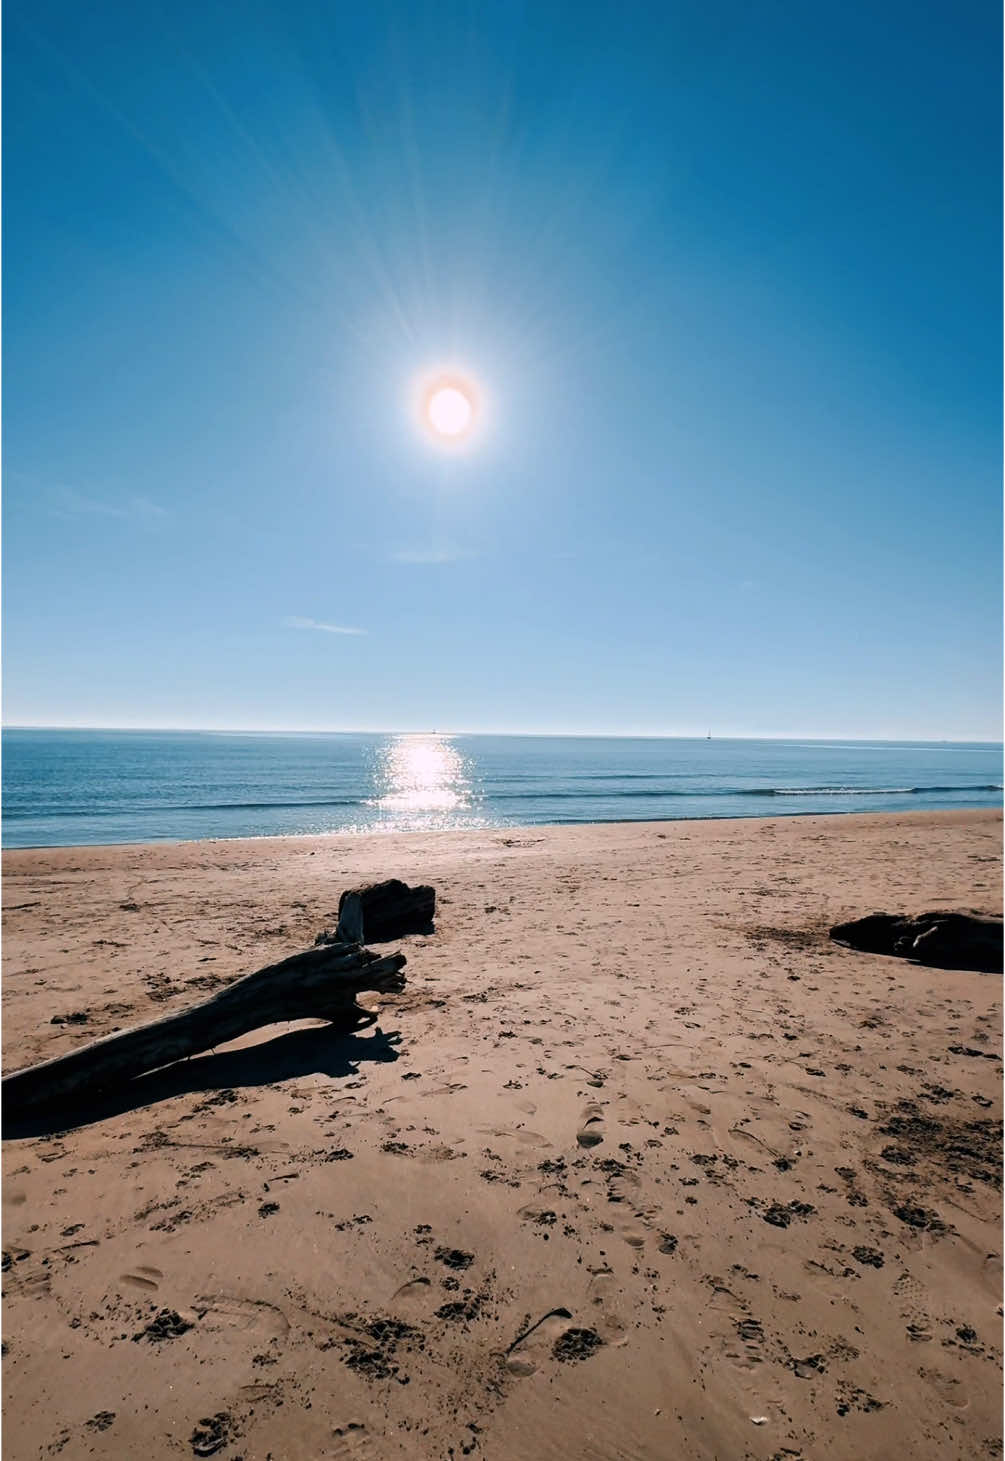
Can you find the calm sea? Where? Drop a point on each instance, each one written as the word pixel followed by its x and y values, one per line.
pixel 69 787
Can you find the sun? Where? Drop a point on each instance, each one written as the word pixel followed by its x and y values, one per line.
pixel 449 410
pixel 448 407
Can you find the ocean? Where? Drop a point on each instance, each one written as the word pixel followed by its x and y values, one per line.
pixel 70 787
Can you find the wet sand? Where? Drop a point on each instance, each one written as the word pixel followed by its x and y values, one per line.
pixel 639 1165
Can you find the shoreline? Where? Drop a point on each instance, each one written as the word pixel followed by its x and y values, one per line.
pixel 639 1163
pixel 489 828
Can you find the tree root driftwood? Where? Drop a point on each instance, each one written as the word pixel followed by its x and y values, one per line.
pixel 379 912
pixel 941 940
pixel 321 983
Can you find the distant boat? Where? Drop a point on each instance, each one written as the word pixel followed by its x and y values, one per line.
pixel 709 736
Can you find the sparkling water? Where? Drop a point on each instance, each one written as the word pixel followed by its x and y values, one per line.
pixel 65 787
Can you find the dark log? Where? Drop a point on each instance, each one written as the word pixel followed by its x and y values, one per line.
pixel 940 940
pixel 321 983
pixel 380 912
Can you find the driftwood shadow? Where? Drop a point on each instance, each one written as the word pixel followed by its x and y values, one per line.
pixel 323 1050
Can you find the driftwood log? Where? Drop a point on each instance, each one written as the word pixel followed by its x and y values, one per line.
pixel 941 940
pixel 321 983
pixel 379 912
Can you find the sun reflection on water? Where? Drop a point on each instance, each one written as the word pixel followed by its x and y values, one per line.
pixel 424 781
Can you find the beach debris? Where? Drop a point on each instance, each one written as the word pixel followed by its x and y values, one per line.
pixel 462 1310
pixel 455 1257
pixel 780 1216
pixel 101 1421
pixel 966 1150
pixel 166 1325
pixel 319 983
pixel 212 1433
pixel 941 940
pixel 378 912
pixel 922 1218
pixel 373 1350
pixel 576 1344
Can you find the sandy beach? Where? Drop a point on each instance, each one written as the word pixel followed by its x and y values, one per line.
pixel 639 1165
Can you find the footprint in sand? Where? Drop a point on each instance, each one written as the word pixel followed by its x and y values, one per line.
pixel 633 1235
pixel 591 1132
pixel 946 1388
pixel 516 1133
pixel 908 1288
pixel 534 1348
pixel 143 1277
pixel 257 1394
pixel 912 1299
pixel 417 1293
pixel 539 1214
pixel 37 1284
pixel 531 1138
pixel 746 1347
pixel 739 1340
pixel 622 1186
pixel 352 1442
pixel 624 1190
pixel 441 1152
pixel 984 1267
pixel 603 1297
pixel 249 1316
pixel 723 1298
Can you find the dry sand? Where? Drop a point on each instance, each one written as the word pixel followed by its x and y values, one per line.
pixel 641 1166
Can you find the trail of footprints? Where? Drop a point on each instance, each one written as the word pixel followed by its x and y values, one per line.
pixel 428 1309
pixel 591 1132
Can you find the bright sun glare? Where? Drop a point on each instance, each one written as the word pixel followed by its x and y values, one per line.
pixel 449 411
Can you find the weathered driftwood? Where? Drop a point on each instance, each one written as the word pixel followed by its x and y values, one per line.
pixel 321 983
pixel 941 940
pixel 350 922
pixel 379 912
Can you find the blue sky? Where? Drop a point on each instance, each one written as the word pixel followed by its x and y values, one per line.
pixel 726 278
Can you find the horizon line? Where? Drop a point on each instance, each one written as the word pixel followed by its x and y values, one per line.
pixel 523 734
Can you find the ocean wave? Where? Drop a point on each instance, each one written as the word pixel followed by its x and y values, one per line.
pixel 870 790
pixel 656 793
pixel 488 797
pixel 155 809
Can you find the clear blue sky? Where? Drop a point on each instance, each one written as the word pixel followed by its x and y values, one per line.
pixel 727 278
